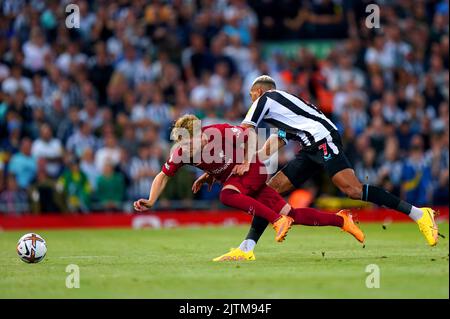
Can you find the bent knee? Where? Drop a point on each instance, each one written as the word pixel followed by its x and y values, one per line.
pixel 352 191
pixel 275 184
pixel 227 195
pixel 280 183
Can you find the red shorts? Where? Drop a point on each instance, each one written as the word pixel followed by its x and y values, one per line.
pixel 253 184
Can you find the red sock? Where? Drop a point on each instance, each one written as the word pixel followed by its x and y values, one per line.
pixel 313 217
pixel 269 197
pixel 243 202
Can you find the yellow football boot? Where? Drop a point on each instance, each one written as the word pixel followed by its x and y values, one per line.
pixel 236 254
pixel 428 226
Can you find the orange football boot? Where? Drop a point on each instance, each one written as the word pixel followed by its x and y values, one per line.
pixel 282 226
pixel 349 225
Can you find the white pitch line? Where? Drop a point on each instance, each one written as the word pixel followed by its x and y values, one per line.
pixel 66 257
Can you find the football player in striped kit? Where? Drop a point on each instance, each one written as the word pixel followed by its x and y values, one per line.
pixel 322 148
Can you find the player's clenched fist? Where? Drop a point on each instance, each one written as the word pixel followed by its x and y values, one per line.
pixel 142 205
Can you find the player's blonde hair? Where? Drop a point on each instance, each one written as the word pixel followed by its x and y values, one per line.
pixel 186 122
pixel 265 81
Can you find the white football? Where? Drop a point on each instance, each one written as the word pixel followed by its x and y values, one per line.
pixel 31 248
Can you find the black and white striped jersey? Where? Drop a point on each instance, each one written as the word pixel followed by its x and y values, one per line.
pixel 299 119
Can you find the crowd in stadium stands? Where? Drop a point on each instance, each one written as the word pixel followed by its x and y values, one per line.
pixel 85 113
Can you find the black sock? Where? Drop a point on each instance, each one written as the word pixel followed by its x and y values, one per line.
pixel 257 228
pixel 381 197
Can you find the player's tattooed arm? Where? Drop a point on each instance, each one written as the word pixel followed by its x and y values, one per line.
pixel 205 178
pixel 271 146
pixel 158 186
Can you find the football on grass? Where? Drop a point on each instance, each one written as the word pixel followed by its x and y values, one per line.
pixel 31 248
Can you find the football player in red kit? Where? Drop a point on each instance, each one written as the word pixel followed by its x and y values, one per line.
pixel 216 149
pixel 213 150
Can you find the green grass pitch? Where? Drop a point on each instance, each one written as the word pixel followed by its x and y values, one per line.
pixel 313 262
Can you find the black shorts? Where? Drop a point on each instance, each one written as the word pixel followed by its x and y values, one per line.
pixel 326 154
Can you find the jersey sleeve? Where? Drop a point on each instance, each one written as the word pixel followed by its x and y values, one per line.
pixel 173 164
pixel 257 111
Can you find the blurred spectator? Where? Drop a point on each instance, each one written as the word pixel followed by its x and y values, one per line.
pixel 240 54
pixel 128 66
pixel 100 71
pixel 39 119
pixel 343 73
pixel 49 148
pixel 37 99
pixel 416 175
pixel 240 21
pixel 36 50
pixel 80 140
pixel 71 58
pixel 110 152
pixel 143 169
pixel 56 114
pixel 395 45
pixel 377 57
pixel 366 170
pixel 87 166
pixel 13 199
pixel 158 111
pixel 22 165
pixel 110 188
pixel 123 168
pixel 144 71
pixel 45 196
pixel 355 115
pixel 16 81
pixel 129 142
pixel 179 189
pixel 378 135
pixel 390 172
pixel 196 58
pixel 68 125
pixel 91 114
pixel 438 157
pixel 69 93
pixel 75 186
pixel 404 135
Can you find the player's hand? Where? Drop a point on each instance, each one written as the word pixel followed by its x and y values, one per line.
pixel 241 169
pixel 142 205
pixel 200 181
pixel 197 185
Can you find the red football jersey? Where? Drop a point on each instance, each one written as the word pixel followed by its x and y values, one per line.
pixel 218 157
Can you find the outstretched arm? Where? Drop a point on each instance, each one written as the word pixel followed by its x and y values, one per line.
pixel 158 185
